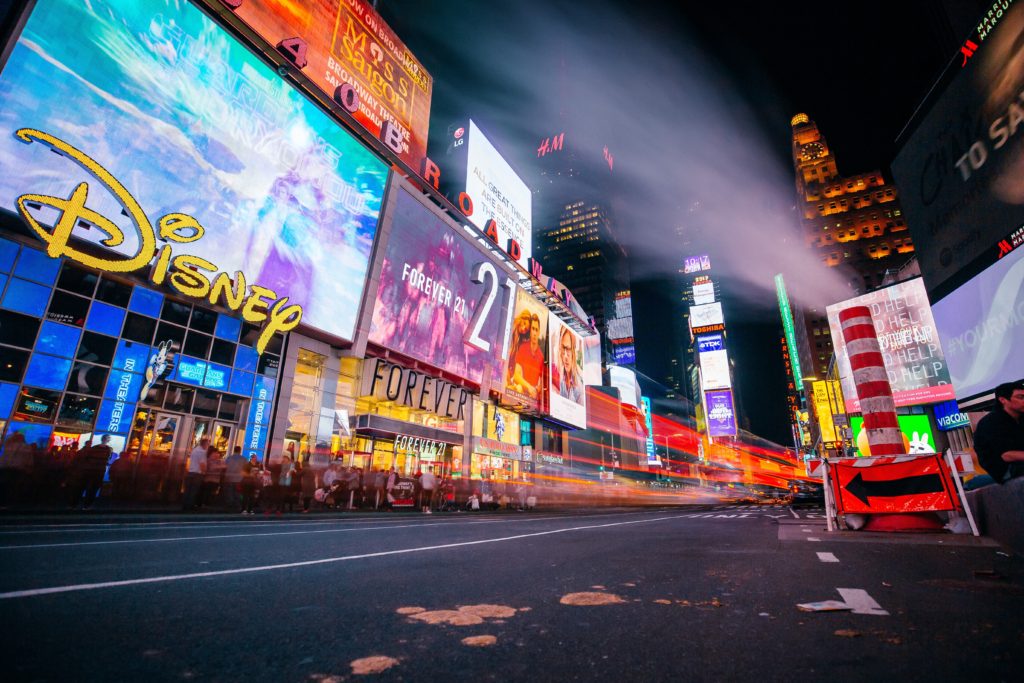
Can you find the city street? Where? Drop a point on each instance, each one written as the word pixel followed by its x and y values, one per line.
pixel 691 593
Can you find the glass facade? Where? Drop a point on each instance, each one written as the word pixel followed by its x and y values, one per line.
pixel 80 360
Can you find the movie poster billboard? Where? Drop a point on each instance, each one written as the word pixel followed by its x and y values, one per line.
pixel 567 398
pixel 347 42
pixel 721 417
pixel 981 326
pixel 427 297
pixel 961 171
pixel 498 193
pixel 913 356
pixel 525 370
pixel 193 128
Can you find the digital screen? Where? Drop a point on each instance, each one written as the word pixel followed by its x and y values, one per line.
pixel 624 354
pixel 710 342
pixel 645 407
pixel 961 171
pixel 189 121
pixel 696 264
pixel 624 380
pixel 918 437
pixel 948 416
pixel 592 360
pixel 704 293
pixel 567 397
pixel 721 418
pixel 525 371
pixel 824 394
pixel 981 326
pixel 714 370
pixel 708 314
pixel 914 361
pixel 498 193
pixel 427 297
pixel 346 41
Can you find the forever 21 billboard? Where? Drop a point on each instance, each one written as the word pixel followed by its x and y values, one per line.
pixel 441 299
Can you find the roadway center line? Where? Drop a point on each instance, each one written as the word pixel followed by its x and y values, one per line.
pixel 308 563
pixel 423 524
pixel 827 557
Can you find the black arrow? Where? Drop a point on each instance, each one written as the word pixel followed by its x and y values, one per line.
pixel 908 486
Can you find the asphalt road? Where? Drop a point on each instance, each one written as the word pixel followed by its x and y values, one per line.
pixel 695 593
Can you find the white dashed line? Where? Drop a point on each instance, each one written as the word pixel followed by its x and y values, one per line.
pixel 861 602
pixel 827 557
pixel 813 538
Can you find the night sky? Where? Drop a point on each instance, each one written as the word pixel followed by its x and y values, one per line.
pixel 695 102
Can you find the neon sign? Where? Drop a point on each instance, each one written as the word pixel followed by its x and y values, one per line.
pixel 183 273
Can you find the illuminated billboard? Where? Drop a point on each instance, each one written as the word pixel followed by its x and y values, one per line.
pixel 696 264
pixel 961 170
pixel 225 159
pixel 918 437
pixel 710 342
pixel 645 408
pixel 703 293
pixel 708 314
pixel 428 299
pixel 714 370
pixel 498 193
pixel 625 381
pixel 624 354
pixel 948 416
pixel 824 396
pixel 567 397
pixel 592 360
pixel 914 361
pixel 789 330
pixel 346 42
pixel 525 371
pixel 721 416
pixel 620 326
pixel 981 326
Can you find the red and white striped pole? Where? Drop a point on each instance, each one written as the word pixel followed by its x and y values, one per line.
pixel 872 382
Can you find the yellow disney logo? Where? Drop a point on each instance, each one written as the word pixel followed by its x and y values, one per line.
pixel 184 272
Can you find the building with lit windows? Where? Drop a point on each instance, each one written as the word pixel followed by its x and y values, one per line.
pixel 852 223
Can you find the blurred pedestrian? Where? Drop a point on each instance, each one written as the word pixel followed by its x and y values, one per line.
pixel 234 466
pixel 309 477
pixel 212 477
pixel 428 482
pixel 89 470
pixel 249 484
pixel 194 472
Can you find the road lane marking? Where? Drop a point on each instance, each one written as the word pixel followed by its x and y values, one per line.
pixel 861 602
pixel 827 557
pixel 35 592
pixel 422 524
pixel 813 538
pixel 793 512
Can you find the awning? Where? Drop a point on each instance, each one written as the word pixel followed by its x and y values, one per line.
pixel 380 427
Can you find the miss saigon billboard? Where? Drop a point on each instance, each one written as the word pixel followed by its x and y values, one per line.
pixel 441 299
pixel 914 361
pixel 163 129
pixel 346 43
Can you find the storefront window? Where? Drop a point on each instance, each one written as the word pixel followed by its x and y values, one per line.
pixel 303 432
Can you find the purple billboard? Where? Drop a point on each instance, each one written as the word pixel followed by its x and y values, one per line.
pixel 721 413
pixel 441 300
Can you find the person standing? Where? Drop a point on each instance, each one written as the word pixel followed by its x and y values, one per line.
pixel 999 438
pixel 250 475
pixel 91 466
pixel 309 477
pixel 194 473
pixel 429 484
pixel 234 466
pixel 380 480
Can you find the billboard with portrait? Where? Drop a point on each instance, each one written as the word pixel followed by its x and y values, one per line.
pixel 913 356
pixel 705 315
pixel 427 298
pixel 567 398
pixel 714 370
pixel 961 171
pixel 189 123
pixel 525 370
pixel 721 417
pixel 499 193
pixel 981 326
pixel 346 41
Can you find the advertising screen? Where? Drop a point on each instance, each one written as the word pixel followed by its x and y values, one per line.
pixel 948 416
pixel 721 418
pixel 498 193
pixel 525 370
pixel 567 398
pixel 916 429
pixel 645 407
pixel 714 370
pixel 624 354
pixel 710 342
pixel 592 360
pixel 704 293
pixel 961 171
pixel 788 328
pixel 696 264
pixel 708 314
pixel 191 128
pixel 624 380
pixel 981 326
pixel 427 298
pixel 620 327
pixel 824 407
pixel 346 41
pixel 910 346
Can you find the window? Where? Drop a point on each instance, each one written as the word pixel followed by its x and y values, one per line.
pixel 17 329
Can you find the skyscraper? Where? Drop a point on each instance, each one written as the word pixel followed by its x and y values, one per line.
pixel 852 223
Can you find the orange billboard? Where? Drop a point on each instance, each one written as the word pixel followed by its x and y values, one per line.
pixel 339 42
